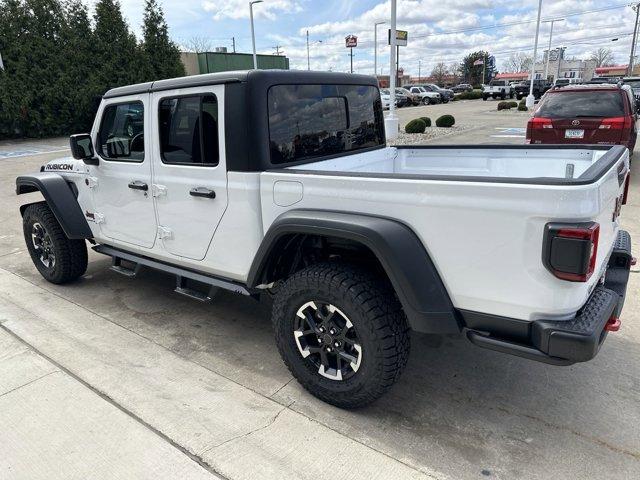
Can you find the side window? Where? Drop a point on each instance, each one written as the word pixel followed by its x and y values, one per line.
pixel 189 130
pixel 121 135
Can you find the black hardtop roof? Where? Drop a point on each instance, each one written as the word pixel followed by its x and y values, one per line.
pixel 266 77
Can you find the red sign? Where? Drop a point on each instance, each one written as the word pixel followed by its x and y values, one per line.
pixel 351 41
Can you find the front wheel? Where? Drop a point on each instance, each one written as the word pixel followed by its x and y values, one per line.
pixel 341 332
pixel 57 258
pixel 426 101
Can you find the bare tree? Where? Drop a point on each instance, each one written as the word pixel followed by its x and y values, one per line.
pixel 518 62
pixel 198 44
pixel 439 73
pixel 603 57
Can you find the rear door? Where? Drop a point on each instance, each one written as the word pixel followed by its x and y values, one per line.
pixel 190 176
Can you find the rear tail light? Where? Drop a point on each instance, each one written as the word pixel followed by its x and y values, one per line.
pixel 570 250
pixel 626 188
pixel 539 123
pixel 615 123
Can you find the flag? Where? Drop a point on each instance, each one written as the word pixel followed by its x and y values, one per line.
pixel 478 62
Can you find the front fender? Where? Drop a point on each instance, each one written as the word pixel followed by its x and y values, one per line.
pixel 413 275
pixel 60 199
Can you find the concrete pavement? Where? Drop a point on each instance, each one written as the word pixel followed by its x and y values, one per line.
pixel 206 383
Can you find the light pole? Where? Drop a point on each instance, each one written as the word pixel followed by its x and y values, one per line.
pixel 308 58
pixel 419 71
pixel 253 35
pixel 392 123
pixel 552 21
pixel 531 100
pixel 375 47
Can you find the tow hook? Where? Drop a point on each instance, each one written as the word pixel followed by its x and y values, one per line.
pixel 613 324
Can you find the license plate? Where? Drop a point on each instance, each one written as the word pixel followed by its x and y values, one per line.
pixel 574 133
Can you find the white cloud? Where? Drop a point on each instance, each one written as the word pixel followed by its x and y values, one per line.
pixel 236 9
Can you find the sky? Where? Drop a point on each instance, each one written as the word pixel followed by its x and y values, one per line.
pixel 439 31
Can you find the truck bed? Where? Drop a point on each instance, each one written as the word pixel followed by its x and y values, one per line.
pixel 553 165
pixel 480 212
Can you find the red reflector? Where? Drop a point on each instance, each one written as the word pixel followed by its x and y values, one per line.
pixel 538 123
pixel 614 123
pixel 613 324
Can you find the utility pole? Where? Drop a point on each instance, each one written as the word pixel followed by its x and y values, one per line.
pixel 233 41
pixel 560 55
pixel 531 99
pixel 351 56
pixel 308 60
pixel 419 71
pixel 636 8
pixel 398 65
pixel 375 47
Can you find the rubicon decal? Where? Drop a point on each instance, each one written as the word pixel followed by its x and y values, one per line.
pixel 59 166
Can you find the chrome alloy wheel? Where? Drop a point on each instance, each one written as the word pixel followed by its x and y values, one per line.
pixel 326 338
pixel 43 245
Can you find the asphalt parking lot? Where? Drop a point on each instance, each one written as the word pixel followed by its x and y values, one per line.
pixel 116 377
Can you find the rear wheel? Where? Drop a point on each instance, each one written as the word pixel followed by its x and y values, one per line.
pixel 341 332
pixel 57 258
pixel 484 97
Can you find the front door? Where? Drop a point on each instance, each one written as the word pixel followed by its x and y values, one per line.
pixel 121 182
pixel 189 176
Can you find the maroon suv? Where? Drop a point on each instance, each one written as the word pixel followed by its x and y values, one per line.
pixel 587 114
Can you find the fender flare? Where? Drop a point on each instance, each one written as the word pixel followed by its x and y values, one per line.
pixel 404 258
pixel 60 199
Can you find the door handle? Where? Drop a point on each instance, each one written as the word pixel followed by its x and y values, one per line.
pixel 138 185
pixel 202 192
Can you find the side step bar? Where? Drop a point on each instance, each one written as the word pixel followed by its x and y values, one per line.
pixel 182 274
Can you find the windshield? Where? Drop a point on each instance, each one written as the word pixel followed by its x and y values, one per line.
pixel 635 84
pixel 581 104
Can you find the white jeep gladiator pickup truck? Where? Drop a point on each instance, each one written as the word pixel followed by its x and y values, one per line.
pixel 282 182
pixel 497 89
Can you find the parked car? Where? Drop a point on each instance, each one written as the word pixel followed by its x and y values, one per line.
pixel 462 87
pixel 540 87
pixel 634 83
pixel 497 89
pixel 561 82
pixel 598 80
pixel 405 98
pixel 445 93
pixel 586 114
pixel 385 97
pixel 270 181
pixel 426 97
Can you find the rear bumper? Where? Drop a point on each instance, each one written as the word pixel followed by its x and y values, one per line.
pixel 561 342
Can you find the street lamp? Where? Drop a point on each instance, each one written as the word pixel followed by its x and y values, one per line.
pixel 375 47
pixel 546 68
pixel 531 99
pixel 314 43
pixel 253 35
pixel 392 124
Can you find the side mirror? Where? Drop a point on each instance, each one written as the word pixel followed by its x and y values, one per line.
pixel 82 148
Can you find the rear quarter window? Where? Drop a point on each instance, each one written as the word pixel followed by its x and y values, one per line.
pixel 307 122
pixel 582 104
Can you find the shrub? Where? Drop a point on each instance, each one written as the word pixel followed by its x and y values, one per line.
pixel 512 104
pixel 426 120
pixel 415 126
pixel 473 95
pixel 445 121
pixel 523 102
pixel 504 105
pixel 522 108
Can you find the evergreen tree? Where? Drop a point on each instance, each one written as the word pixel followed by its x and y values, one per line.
pixel 161 54
pixel 116 53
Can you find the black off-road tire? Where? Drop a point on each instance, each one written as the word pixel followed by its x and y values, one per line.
pixel 376 314
pixel 70 255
